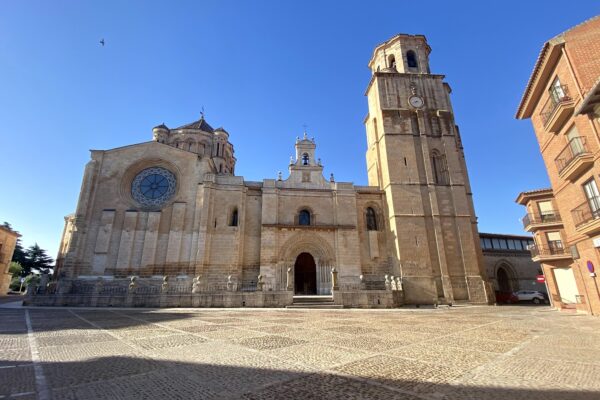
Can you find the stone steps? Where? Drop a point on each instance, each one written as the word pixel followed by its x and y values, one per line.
pixel 319 302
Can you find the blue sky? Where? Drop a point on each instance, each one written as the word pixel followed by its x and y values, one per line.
pixel 262 70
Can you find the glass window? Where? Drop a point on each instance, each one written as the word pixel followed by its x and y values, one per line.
pixel 371 219
pixel 481 243
pixel 488 243
pixel 304 217
pixel 593 196
pixel 518 245
pixel 511 244
pixel 496 243
pixel 557 92
pixel 503 244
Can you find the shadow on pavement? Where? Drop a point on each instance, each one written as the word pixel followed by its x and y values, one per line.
pixel 143 378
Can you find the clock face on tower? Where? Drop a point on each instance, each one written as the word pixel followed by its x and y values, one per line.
pixel 416 101
pixel 153 187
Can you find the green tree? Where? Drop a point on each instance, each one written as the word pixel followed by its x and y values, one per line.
pixel 15 268
pixel 36 257
pixel 19 253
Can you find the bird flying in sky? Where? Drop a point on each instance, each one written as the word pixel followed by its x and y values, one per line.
pixel 102 42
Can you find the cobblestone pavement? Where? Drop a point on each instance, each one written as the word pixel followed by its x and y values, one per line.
pixel 513 352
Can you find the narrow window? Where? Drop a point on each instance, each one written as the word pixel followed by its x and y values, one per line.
pixel 234 218
pixel 411 59
pixel 221 168
pixel 440 172
pixel 557 91
pixel 435 127
pixel 554 242
pixel 593 197
pixel 371 220
pixel 305 159
pixel 547 213
pixel 414 121
pixel 304 217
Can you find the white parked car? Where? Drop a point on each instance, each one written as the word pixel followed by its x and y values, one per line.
pixel 531 295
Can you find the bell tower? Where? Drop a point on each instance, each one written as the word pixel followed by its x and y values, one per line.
pixel 416 157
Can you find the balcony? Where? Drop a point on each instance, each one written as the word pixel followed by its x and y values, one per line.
pixel 586 216
pixel 574 159
pixel 558 108
pixel 547 219
pixel 550 252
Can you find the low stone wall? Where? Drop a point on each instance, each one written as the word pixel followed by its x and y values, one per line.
pixel 150 293
pixel 221 299
pixel 368 298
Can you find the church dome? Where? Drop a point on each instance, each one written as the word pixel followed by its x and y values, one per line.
pixel 161 127
pixel 221 130
pixel 201 125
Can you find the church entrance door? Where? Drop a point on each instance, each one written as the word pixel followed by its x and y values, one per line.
pixel 305 274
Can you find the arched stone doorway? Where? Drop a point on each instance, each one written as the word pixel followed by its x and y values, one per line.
pixel 305 274
pixel 504 281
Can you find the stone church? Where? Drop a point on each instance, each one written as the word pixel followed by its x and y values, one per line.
pixel 169 223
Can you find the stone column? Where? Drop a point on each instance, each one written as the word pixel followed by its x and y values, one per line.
pixel 334 279
pixel 289 279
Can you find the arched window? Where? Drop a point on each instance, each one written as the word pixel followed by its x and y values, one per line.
pixel 305 159
pixel 411 59
pixel 234 218
pixel 371 219
pixel 392 62
pixel 440 170
pixel 304 217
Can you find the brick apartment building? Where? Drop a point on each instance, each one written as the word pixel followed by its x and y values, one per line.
pixel 562 99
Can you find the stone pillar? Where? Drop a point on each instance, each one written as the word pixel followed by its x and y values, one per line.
pixel 289 285
pixel 334 279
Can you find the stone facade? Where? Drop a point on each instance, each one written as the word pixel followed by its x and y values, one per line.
pixel 170 218
pixel 562 100
pixel 8 241
pixel 508 263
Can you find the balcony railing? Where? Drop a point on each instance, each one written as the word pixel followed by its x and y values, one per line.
pixel 552 249
pixel 546 217
pixel 587 211
pixel 558 96
pixel 575 148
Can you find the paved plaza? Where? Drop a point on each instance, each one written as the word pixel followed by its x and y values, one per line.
pixel 512 352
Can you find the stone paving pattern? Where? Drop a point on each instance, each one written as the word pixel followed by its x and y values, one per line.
pixel 512 352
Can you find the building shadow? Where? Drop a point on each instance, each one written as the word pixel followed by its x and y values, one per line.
pixel 48 319
pixel 142 378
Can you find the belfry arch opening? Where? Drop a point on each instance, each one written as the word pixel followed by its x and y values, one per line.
pixel 305 275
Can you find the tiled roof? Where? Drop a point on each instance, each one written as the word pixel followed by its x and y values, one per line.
pixel 558 39
pixel 523 195
pixel 201 124
pixel 536 191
